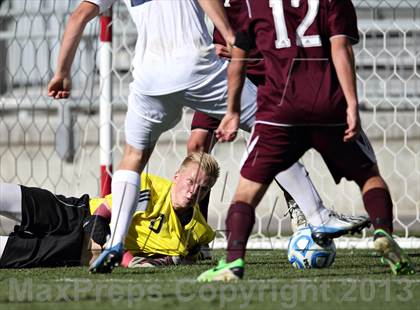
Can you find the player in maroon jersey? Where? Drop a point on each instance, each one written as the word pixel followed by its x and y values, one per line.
pixel 309 100
pixel 301 196
pixel 291 181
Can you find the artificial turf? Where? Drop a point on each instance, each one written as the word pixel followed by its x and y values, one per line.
pixel 357 280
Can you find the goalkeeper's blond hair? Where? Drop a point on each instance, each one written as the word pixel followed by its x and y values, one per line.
pixel 206 162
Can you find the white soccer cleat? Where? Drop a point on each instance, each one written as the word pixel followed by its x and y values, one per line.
pixel 338 225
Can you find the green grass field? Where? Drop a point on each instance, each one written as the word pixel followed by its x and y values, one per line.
pixel 357 280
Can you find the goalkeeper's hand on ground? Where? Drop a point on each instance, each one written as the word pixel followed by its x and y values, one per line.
pixel 130 261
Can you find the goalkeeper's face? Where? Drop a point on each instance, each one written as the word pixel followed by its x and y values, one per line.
pixel 190 185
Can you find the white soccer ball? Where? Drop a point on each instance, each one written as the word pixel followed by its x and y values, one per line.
pixel 304 253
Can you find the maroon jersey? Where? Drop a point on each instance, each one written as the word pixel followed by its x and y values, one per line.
pixel 294 38
pixel 237 13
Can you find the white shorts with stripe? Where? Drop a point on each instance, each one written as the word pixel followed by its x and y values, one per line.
pixel 150 116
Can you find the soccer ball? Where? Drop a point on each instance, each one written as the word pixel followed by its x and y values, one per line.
pixel 304 253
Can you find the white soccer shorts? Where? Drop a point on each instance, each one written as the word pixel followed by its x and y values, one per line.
pixel 150 116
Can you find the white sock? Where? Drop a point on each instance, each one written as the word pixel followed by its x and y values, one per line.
pixel 297 183
pixel 3 241
pixel 11 201
pixel 125 192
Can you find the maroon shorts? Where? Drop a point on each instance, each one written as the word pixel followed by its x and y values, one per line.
pixel 203 121
pixel 273 149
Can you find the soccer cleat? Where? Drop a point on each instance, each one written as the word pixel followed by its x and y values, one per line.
pixel 225 272
pixel 338 225
pixel 391 252
pixel 107 260
pixel 297 218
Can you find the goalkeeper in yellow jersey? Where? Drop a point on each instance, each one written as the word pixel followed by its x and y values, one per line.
pixel 167 227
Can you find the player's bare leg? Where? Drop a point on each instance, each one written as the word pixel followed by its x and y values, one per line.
pixel 239 223
pixel 125 190
pixel 201 140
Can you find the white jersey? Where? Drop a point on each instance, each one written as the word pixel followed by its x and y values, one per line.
pixel 174 50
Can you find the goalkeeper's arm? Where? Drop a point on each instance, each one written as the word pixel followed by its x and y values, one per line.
pixel 60 86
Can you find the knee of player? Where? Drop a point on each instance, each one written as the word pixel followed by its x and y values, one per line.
pixel 371 178
pixel 134 158
pixel 198 142
pixel 194 146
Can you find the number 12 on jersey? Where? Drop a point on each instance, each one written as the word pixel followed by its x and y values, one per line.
pixel 283 40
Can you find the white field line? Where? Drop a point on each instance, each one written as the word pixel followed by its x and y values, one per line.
pixel 193 280
pixel 340 243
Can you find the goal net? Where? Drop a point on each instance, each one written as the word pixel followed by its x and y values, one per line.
pixel 55 144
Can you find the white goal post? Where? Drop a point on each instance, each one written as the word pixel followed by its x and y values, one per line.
pixel 69 146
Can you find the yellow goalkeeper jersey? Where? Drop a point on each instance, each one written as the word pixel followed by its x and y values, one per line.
pixel 155 227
